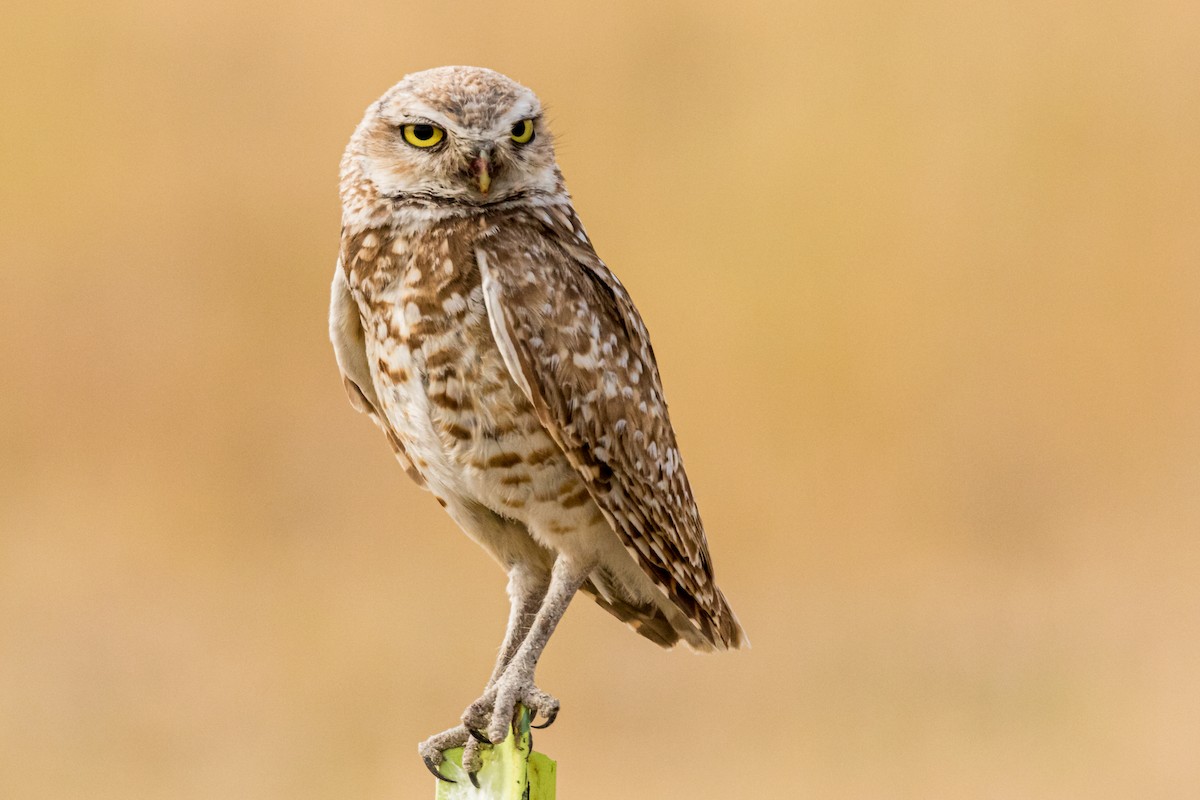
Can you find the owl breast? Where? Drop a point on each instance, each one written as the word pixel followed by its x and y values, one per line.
pixel 468 428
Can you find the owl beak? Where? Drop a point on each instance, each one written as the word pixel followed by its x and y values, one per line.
pixel 481 171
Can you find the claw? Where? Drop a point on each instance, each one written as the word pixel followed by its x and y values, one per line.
pixel 438 774
pixel 553 715
pixel 474 779
pixel 478 736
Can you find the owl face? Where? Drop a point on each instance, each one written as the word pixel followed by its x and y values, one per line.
pixel 455 135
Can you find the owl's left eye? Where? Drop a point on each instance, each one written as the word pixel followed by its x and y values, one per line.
pixel 423 135
pixel 522 132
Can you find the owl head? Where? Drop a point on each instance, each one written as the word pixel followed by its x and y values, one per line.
pixel 453 136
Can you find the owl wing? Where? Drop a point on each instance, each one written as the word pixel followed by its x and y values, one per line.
pixel 573 341
pixel 350 350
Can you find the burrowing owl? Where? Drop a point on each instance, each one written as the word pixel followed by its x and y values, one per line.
pixel 507 366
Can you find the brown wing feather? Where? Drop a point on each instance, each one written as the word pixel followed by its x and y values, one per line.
pixel 349 348
pixel 576 344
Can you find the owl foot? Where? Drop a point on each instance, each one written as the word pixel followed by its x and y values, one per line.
pixel 497 710
pixel 432 751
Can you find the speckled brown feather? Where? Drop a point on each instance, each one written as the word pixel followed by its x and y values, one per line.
pixel 349 345
pixel 584 354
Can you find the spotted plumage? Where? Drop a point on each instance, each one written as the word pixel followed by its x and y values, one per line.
pixel 512 374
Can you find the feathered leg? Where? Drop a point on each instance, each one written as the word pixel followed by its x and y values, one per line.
pixel 515 683
pixel 526 591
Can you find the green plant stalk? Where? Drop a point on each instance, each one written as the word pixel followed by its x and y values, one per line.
pixel 510 771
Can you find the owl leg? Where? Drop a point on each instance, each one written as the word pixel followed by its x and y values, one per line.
pixel 526 590
pixel 514 685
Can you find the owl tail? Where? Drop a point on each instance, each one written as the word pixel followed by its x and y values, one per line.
pixel 663 623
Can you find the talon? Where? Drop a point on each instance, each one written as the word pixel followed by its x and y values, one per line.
pixel 474 779
pixel 437 773
pixel 553 715
pixel 478 736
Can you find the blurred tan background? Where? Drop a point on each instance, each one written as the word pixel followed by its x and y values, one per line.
pixel 924 280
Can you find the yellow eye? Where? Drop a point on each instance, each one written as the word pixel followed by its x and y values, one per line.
pixel 422 135
pixel 522 132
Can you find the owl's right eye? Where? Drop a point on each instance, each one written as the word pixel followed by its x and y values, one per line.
pixel 423 134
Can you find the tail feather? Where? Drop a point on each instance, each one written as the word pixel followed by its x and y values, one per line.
pixel 648 619
pixel 663 623
pixel 725 630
